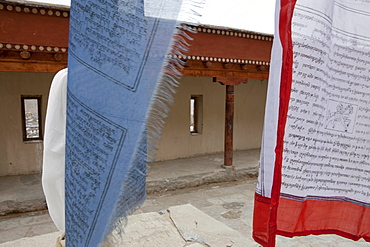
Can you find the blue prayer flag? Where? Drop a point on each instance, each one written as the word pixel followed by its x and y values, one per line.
pixel 117 77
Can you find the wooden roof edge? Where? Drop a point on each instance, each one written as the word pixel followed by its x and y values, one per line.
pixel 67 8
pixel 226 29
pixel 32 4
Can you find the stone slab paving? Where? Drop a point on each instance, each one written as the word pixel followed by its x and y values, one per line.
pixel 45 240
pixel 18 226
pixel 181 226
pixel 196 226
pixel 147 230
pixel 229 203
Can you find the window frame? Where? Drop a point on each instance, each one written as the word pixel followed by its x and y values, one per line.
pixel 23 113
pixel 197 117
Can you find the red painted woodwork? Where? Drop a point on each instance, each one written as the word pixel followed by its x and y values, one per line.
pixel 36 29
pixel 227 46
pixel 33 29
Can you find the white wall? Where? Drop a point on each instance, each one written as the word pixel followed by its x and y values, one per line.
pixel 177 141
pixel 16 156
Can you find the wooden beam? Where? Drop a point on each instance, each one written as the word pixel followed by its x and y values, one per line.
pixel 216 69
pixel 32 61
pixel 209 42
pixel 31 66
pixel 232 81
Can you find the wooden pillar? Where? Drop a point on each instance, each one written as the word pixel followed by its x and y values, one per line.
pixel 229 127
pixel 230 83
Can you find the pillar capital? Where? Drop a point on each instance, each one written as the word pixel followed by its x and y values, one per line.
pixel 232 81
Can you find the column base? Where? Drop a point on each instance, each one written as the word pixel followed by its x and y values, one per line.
pixel 227 167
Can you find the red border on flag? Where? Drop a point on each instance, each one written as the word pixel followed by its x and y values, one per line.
pixel 265 210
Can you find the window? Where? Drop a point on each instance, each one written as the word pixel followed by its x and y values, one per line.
pixel 196 114
pixel 31 117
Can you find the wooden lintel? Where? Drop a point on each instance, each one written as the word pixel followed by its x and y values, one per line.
pixel 188 63
pixel 216 73
pixel 207 64
pixel 243 66
pixel 227 65
pixel 262 68
pixel 32 66
pixel 232 81
pixel 32 61
pixel 242 71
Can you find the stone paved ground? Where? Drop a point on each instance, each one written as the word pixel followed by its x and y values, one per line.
pixel 230 203
pixel 19 194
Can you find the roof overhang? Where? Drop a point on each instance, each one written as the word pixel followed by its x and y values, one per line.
pixel 34 38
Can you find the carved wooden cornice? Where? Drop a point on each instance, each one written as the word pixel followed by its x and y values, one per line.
pixel 240 54
pixel 233 32
pixel 26 5
pixel 34 38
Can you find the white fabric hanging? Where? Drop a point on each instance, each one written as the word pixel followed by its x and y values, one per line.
pixel 53 174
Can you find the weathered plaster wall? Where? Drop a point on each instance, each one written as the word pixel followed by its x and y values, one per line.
pixel 250 100
pixel 16 156
pixel 19 157
pixel 177 142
